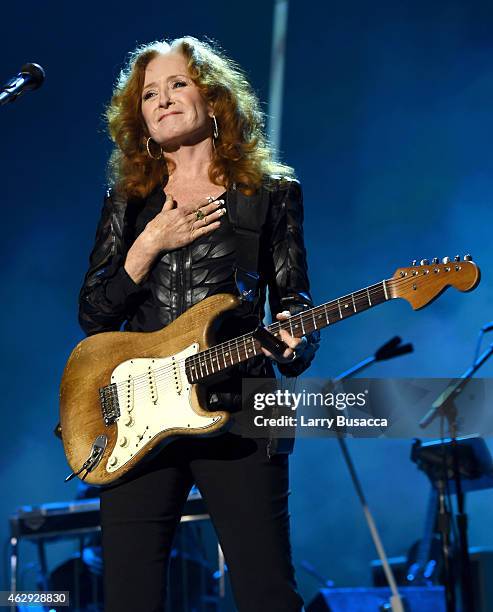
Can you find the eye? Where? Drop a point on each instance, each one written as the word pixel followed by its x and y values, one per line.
pixel 147 95
pixel 175 83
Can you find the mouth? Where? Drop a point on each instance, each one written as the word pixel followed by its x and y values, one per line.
pixel 167 115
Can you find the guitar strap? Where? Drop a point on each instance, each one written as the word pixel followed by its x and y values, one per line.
pixel 247 215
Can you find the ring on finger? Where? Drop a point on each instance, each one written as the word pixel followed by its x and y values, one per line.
pixel 199 215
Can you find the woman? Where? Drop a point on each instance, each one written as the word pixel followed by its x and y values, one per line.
pixel 188 143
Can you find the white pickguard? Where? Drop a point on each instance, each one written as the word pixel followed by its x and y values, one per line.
pixel 153 396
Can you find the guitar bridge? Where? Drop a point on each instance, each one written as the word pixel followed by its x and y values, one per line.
pixel 110 407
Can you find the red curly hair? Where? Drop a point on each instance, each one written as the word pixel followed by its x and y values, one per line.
pixel 242 154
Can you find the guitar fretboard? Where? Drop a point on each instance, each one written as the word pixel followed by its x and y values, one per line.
pixel 232 352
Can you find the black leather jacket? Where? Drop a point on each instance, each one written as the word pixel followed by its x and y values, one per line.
pixel 182 277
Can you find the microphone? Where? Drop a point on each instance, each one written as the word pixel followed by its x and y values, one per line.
pixel 30 77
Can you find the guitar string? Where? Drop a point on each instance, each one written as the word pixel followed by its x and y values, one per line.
pixel 238 344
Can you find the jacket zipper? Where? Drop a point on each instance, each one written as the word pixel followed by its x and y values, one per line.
pixel 181 287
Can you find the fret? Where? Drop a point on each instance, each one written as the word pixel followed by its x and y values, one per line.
pixel 254 346
pixel 224 354
pixel 339 306
pixel 346 306
pixel 320 316
pixel 354 303
pixel 245 346
pixel 206 368
pixel 385 290
pixel 212 360
pixel 200 366
pixel 238 351
pixel 379 294
pixel 368 293
pixel 326 315
pixel 189 369
pixel 230 353
pixel 218 367
pixel 313 317
pixel 333 312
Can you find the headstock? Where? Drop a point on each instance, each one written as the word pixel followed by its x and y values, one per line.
pixel 422 283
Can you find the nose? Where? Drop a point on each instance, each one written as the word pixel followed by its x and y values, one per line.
pixel 164 96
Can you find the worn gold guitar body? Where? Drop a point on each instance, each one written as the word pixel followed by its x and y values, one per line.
pixel 156 402
pixel 123 394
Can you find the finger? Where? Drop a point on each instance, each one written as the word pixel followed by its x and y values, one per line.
pixel 202 231
pixel 214 216
pixel 169 203
pixel 208 219
pixel 282 316
pixel 209 208
pixel 290 340
pixel 204 209
pixel 286 356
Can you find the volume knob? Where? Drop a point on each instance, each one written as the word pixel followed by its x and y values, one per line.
pixel 467 257
pixel 446 260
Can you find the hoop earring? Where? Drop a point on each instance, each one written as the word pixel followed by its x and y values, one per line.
pixel 149 151
pixel 215 132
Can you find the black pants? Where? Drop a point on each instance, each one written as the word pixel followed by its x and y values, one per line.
pixel 247 497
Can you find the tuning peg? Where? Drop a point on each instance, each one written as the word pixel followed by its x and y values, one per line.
pixel 414 262
pixel 446 260
pixel 424 262
pixel 468 257
pixel 434 260
pixel 457 258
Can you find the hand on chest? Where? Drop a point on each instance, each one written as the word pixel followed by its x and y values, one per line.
pixel 195 195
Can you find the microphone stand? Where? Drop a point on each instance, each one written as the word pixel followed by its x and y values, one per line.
pixel 444 406
pixel 391 349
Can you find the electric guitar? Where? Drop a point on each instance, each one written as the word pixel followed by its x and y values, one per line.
pixel 123 394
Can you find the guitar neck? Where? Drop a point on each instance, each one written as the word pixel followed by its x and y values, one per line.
pixel 232 352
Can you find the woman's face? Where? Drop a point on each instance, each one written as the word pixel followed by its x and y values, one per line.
pixel 173 108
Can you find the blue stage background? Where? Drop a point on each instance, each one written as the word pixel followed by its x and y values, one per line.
pixel 388 121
